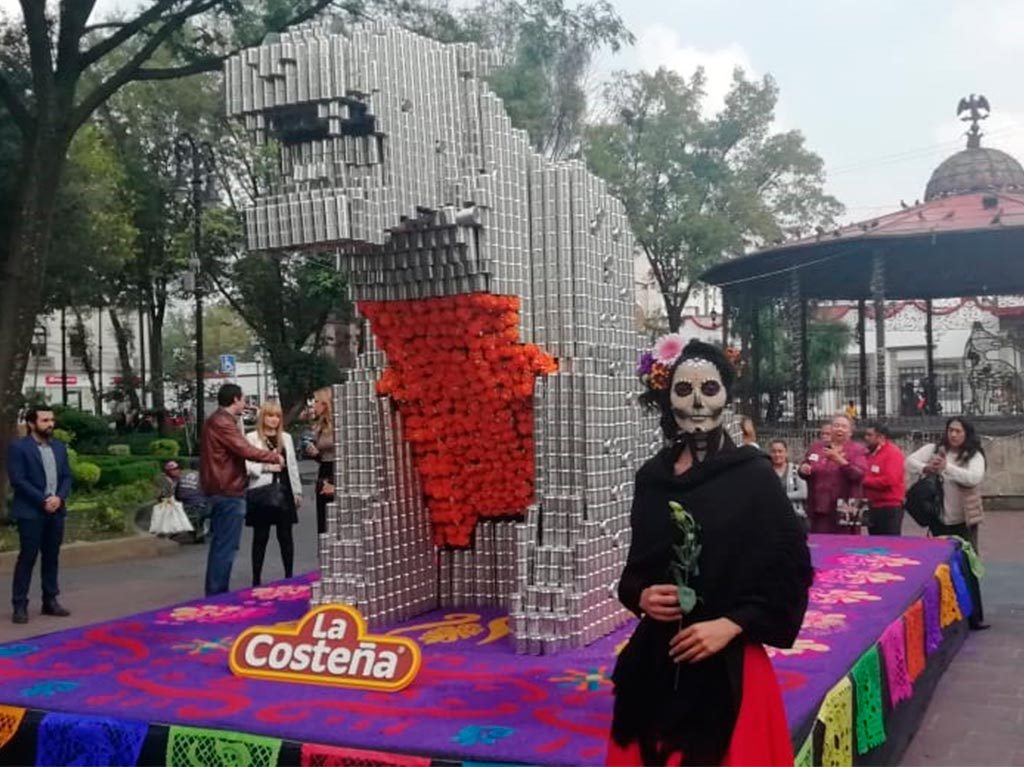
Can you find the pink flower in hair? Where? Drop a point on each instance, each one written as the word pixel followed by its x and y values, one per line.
pixel 668 348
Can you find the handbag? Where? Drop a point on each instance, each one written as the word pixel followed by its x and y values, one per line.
pixel 271 495
pixel 925 500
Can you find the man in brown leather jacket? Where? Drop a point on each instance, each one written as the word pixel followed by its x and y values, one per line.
pixel 223 453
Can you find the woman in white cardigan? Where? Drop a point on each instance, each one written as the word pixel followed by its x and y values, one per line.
pixel 282 514
pixel 959 459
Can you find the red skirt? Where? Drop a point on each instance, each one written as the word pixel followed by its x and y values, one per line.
pixel 761 735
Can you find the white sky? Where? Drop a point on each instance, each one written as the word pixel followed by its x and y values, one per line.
pixel 873 84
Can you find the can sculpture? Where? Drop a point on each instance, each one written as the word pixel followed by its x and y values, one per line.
pixel 487 438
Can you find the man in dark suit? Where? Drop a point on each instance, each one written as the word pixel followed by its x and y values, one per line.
pixel 41 477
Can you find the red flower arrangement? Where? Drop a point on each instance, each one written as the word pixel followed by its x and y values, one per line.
pixel 464 385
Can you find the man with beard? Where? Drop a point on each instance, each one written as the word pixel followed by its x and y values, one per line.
pixel 41 477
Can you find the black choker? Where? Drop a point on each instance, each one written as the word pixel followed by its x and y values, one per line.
pixel 701 444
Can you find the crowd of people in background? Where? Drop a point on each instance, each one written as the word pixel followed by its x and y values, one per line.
pixel 841 485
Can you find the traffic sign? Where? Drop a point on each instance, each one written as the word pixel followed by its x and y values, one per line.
pixel 227 364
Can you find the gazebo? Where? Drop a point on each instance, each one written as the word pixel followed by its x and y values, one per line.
pixel 965 239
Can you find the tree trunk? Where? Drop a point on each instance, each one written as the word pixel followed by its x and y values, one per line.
pixel 156 368
pixel 80 349
pixel 675 301
pixel 23 272
pixel 123 336
pixel 674 314
pixel 157 312
pixel 292 397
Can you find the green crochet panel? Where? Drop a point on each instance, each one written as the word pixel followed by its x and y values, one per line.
pixel 805 757
pixel 867 677
pixel 197 747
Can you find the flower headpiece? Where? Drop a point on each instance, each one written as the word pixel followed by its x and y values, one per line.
pixel 654 365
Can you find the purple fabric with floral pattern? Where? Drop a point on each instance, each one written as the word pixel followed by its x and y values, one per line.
pixel 932 617
pixel 474 698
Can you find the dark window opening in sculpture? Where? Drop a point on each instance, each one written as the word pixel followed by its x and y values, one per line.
pixel 359 122
pixel 297 123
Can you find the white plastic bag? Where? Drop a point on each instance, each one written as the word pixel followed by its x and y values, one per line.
pixel 169 518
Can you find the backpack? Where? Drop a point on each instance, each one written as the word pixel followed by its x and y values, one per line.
pixel 925 500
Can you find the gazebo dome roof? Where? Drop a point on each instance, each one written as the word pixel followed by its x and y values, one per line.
pixel 975 169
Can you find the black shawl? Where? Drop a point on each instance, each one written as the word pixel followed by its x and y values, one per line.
pixel 755 569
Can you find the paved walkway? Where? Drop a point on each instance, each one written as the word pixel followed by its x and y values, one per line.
pixel 95 593
pixel 976 717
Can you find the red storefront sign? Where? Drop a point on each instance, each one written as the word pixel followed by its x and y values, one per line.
pixel 58 380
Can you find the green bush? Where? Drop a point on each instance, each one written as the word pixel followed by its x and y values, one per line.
pixel 107 519
pixel 164 449
pixel 127 473
pixel 85 474
pixel 132 495
pixel 123 469
pixel 65 436
pixel 83 425
pixel 119 449
pixel 138 442
pixel 96 517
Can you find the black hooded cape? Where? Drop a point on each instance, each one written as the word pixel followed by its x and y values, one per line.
pixel 755 569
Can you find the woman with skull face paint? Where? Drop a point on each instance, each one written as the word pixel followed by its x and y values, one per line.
pixel 697 687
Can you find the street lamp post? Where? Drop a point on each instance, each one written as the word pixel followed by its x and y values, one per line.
pixel 194 165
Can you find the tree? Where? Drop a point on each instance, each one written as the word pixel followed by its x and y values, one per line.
pixel 224 332
pixel 52 84
pixel 286 299
pixel 546 49
pixel 696 188
pixel 769 353
pixel 141 122
pixel 549 49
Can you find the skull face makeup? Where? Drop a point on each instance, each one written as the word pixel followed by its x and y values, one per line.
pixel 697 396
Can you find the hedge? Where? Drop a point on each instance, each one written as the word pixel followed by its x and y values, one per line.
pixel 83 425
pixel 95 515
pixel 123 470
pixel 165 449
pixel 86 473
pixel 139 443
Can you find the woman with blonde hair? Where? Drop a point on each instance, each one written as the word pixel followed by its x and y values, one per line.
pixel 274 495
pixel 321 448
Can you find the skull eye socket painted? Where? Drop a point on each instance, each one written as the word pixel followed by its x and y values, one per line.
pixel 683 389
pixel 710 388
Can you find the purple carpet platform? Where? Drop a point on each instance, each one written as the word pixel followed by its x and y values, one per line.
pixel 886 617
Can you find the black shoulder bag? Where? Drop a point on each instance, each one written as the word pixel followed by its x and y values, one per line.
pixel 925 500
pixel 272 495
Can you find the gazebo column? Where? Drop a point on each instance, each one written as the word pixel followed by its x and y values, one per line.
pixel 878 299
pixel 862 356
pixel 754 356
pixel 798 332
pixel 931 390
pixel 725 319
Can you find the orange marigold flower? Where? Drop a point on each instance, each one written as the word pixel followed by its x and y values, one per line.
pixel 464 384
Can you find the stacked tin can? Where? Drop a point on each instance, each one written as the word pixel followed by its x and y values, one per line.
pixel 395 154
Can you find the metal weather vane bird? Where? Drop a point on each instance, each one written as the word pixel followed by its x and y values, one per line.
pixel 978 109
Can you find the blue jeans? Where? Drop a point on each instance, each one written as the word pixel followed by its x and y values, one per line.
pixel 227 517
pixel 42 534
